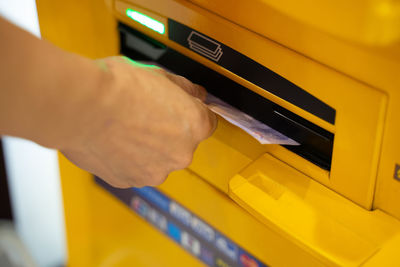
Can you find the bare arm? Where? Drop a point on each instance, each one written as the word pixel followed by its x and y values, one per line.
pixel 128 123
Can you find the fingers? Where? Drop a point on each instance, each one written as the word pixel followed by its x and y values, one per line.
pixel 161 139
pixel 193 89
pixel 189 87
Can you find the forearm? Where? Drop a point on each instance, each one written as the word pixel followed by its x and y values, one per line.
pixel 43 90
pixel 129 123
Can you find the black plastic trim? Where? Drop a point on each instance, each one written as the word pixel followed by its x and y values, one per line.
pixel 250 70
pixel 316 142
pixel 5 202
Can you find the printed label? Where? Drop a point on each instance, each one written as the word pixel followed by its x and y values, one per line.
pixel 204 46
pixel 227 247
pixel 183 227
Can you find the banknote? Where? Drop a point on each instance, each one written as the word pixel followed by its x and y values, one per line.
pixel 260 131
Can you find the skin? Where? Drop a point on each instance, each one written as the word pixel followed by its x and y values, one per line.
pixel 128 123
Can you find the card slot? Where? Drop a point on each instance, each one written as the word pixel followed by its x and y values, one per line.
pixel 316 143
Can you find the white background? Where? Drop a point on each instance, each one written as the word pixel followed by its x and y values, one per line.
pixel 33 173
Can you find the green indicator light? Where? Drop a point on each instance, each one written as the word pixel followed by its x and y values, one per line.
pixel 146 20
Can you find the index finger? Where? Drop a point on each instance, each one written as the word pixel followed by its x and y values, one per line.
pixel 192 89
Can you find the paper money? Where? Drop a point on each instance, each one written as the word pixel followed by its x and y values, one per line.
pixel 260 131
pixel 263 133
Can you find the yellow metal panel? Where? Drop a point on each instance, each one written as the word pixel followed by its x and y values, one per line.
pixel 309 213
pixel 388 188
pixel 387 256
pixel 375 22
pixel 101 231
pixel 218 162
pixel 218 210
pixel 76 185
pixel 85 27
pixel 124 239
pixel 359 108
pixel 360 82
pixel 373 65
pixel 104 232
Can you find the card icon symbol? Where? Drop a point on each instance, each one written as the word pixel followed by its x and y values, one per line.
pixel 204 46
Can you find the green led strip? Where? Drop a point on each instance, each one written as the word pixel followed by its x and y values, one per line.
pixel 145 20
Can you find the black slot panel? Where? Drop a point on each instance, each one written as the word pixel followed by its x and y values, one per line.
pixel 248 69
pixel 316 143
pixel 5 202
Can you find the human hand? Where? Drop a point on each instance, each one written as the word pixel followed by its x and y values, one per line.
pixel 144 124
pixel 128 123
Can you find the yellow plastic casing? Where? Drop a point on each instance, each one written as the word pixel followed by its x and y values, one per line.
pixel 278 206
pixel 362 110
pixel 371 22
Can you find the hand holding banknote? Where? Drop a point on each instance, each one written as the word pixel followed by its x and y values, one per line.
pixel 260 131
pixel 263 133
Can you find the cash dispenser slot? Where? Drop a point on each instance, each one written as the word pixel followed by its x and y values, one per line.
pixel 316 144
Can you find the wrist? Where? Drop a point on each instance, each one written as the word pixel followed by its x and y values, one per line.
pixel 82 111
pixel 69 115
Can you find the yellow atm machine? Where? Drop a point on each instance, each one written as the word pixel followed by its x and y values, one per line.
pixel 326 74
